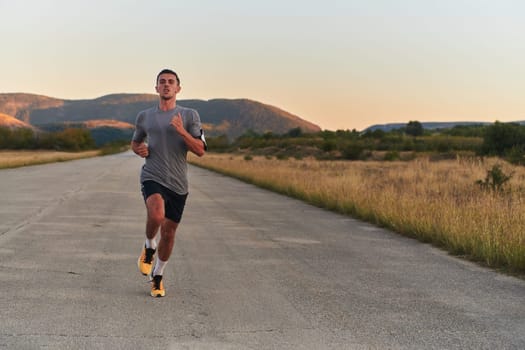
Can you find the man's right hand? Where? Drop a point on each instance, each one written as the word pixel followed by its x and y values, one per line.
pixel 140 149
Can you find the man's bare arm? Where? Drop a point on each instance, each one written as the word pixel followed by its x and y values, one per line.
pixel 195 145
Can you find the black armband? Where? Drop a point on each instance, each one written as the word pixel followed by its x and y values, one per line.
pixel 203 139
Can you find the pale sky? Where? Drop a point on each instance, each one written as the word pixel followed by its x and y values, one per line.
pixel 341 64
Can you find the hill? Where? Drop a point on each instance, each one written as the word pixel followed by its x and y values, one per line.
pixel 428 125
pixel 106 123
pixel 12 123
pixel 20 105
pixel 239 115
pixel 231 117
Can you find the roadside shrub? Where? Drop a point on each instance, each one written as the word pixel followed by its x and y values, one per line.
pixel 502 137
pixel 391 156
pixel 352 151
pixel 516 155
pixel 218 143
pixel 328 145
pixel 495 179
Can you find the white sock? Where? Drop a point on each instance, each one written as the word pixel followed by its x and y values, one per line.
pixel 151 243
pixel 159 267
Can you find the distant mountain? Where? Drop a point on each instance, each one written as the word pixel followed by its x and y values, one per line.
pixel 232 117
pixel 12 123
pixel 20 105
pixel 235 117
pixel 107 123
pixel 428 125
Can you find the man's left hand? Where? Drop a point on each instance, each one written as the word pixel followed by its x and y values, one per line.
pixel 176 122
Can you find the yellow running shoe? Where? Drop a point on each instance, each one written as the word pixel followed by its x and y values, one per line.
pixel 145 261
pixel 157 287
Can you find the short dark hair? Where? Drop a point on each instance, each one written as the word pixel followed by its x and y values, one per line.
pixel 168 71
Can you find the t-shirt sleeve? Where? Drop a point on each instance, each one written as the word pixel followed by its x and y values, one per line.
pixel 139 135
pixel 196 126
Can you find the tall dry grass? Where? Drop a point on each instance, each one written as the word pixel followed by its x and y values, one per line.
pixel 13 159
pixel 436 202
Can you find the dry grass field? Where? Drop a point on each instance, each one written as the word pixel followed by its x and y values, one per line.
pixel 436 202
pixel 13 159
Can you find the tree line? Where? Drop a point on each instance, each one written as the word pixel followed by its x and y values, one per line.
pixel 506 140
pixel 70 139
pixel 64 138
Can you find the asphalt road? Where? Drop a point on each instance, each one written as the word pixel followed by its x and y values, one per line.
pixel 250 270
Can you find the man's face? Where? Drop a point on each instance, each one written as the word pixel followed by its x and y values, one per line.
pixel 167 86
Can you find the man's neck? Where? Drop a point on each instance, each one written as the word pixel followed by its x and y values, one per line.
pixel 166 105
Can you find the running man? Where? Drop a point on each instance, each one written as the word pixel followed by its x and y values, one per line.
pixel 163 136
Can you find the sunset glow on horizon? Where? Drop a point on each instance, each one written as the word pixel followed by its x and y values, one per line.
pixel 340 64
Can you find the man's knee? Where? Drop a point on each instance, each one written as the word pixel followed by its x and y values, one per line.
pixel 156 217
pixel 155 206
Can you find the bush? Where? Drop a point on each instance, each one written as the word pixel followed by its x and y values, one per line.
pixel 352 151
pixel 414 128
pixel 218 143
pixel 72 139
pixel 516 155
pixel 391 156
pixel 495 179
pixel 502 137
pixel 328 145
pixel 22 138
pixel 295 132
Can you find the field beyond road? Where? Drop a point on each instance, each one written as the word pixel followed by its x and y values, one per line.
pixel 14 159
pixel 452 204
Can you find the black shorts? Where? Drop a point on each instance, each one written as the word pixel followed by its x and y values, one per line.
pixel 173 202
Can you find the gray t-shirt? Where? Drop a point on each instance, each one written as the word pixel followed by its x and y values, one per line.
pixel 166 163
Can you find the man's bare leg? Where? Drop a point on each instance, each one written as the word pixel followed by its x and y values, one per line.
pixel 165 247
pixel 155 207
pixel 167 239
pixel 155 218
